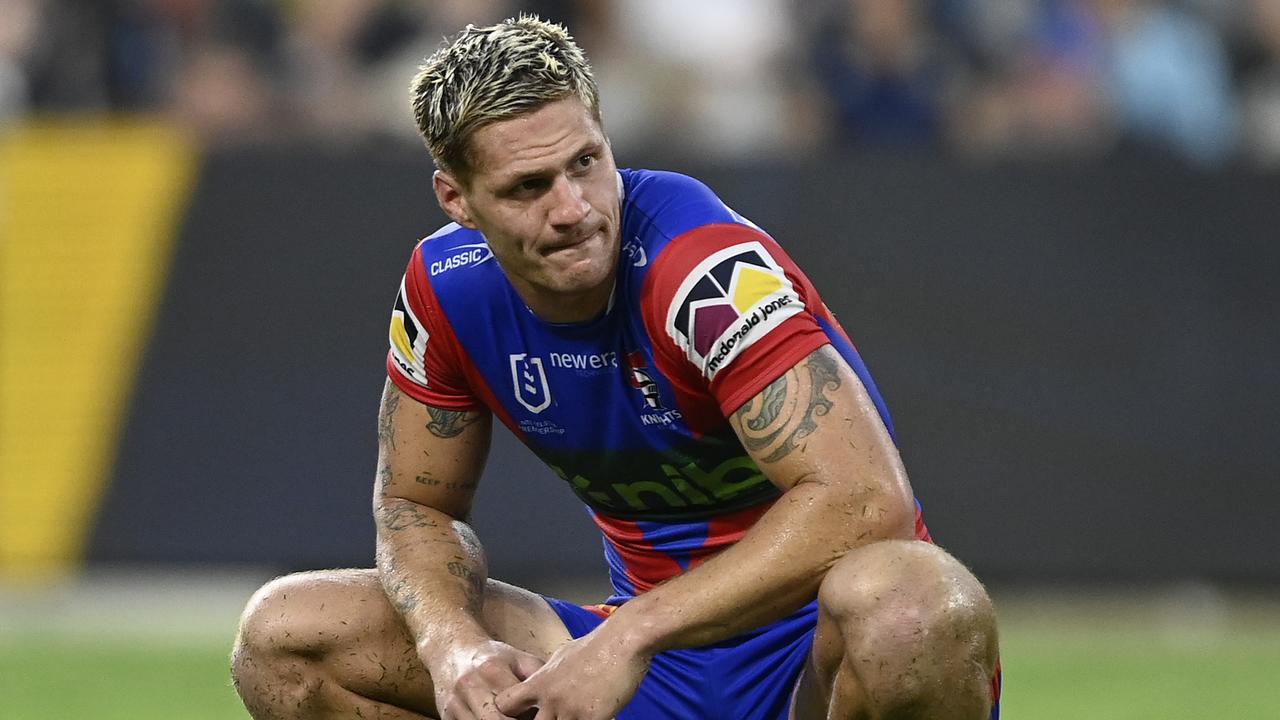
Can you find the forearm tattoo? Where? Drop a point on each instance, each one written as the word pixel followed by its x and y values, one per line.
pixel 404 515
pixel 449 423
pixel 386 428
pixel 397 586
pixel 474 581
pixel 785 412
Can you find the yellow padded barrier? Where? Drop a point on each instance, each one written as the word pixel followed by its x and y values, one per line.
pixel 88 215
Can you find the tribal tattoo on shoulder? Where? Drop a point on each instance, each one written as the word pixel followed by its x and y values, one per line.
pixel 784 413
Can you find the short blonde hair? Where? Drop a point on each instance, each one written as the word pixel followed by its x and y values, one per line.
pixel 493 73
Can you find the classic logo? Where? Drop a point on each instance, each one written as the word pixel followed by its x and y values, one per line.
pixel 530 382
pixel 729 301
pixel 408 340
pixel 462 256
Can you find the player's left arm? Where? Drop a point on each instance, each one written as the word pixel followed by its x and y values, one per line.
pixel 816 434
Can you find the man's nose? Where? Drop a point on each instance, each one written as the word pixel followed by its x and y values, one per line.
pixel 569 206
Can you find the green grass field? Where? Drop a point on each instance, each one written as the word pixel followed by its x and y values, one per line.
pixel 1101 658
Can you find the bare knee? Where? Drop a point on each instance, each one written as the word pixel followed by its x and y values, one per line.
pixel 917 630
pixel 288 628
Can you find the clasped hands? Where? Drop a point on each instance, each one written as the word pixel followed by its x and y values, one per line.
pixel 590 678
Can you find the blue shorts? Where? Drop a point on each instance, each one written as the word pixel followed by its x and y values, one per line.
pixel 751 676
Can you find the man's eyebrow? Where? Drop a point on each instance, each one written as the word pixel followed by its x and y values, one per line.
pixel 591 147
pixel 515 179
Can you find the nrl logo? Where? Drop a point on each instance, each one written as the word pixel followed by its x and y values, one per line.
pixel 530 382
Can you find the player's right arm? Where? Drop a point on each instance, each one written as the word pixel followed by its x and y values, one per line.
pixel 431 564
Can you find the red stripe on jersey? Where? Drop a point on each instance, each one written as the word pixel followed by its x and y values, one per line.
pixel 445 389
pixel 922 532
pixel 601 610
pixel 726 530
pixel 646 566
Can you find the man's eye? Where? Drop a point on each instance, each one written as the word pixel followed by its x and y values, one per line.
pixel 586 161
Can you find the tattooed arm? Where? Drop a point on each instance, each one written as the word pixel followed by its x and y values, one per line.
pixel 816 434
pixel 430 561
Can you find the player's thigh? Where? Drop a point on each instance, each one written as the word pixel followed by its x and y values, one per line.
pixel 342 623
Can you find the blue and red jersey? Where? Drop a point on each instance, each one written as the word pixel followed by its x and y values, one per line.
pixel 629 408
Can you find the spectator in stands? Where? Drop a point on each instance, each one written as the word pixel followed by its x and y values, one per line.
pixel 883 73
pixel 1036 86
pixel 1260 84
pixel 1167 73
pixel 17 38
pixel 709 76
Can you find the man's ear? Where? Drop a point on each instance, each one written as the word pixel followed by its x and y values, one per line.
pixel 449 194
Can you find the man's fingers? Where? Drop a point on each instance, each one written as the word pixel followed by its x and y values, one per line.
pixel 515 700
pixel 457 712
pixel 483 705
pixel 526 665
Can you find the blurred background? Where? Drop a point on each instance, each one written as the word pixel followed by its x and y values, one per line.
pixel 1049 225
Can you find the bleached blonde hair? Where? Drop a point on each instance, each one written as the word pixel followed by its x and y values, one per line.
pixel 487 74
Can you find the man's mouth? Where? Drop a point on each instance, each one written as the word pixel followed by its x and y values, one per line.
pixel 570 244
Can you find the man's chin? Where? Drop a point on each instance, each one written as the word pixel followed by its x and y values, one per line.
pixel 584 282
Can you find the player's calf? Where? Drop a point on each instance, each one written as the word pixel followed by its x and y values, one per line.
pixel 904 631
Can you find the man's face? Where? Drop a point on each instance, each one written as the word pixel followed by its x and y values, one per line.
pixel 544 193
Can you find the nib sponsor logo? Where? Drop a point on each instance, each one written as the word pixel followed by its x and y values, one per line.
pixel 729 302
pixel 675 487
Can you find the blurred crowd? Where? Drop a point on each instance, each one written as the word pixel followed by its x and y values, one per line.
pixel 1195 80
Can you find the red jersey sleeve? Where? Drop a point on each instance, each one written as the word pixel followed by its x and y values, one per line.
pixel 729 311
pixel 424 357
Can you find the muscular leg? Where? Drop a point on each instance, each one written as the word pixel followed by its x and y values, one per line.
pixel 904 631
pixel 328 644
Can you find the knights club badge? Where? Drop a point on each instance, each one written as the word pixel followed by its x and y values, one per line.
pixel 530 382
pixel 641 380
